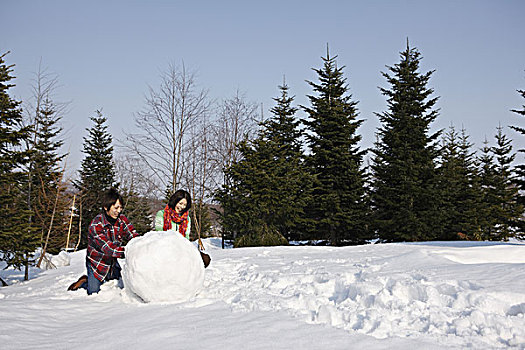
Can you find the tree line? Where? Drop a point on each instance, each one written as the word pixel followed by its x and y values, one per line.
pixel 275 180
pixel 307 179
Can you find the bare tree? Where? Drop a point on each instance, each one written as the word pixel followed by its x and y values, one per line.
pixel 43 88
pixel 163 126
pixel 131 174
pixel 199 172
pixel 138 192
pixel 237 119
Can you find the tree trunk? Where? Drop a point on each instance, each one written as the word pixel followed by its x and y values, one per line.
pixel 26 273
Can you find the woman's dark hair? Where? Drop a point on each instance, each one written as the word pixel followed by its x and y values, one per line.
pixel 177 196
pixel 110 197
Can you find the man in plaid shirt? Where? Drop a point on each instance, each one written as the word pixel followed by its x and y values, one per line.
pixel 105 238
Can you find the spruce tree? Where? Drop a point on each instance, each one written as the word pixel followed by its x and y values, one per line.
pixel 519 179
pixel 452 181
pixel 339 212
pixel 18 240
pixel 281 141
pixel 405 195
pixel 459 185
pixel 269 186
pixel 489 200
pixel 97 173
pixel 472 191
pixel 137 210
pixel 200 215
pixel 45 189
pixel 507 210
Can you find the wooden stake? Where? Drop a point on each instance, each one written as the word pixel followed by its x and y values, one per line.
pixel 79 225
pixel 50 228
pixel 59 182
pixel 70 222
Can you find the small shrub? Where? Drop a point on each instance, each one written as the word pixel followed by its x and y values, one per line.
pixel 262 236
pixel 248 240
pixel 273 238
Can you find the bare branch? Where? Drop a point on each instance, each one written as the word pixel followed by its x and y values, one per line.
pixel 163 126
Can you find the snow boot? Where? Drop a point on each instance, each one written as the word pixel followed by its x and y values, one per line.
pixel 79 283
pixel 206 259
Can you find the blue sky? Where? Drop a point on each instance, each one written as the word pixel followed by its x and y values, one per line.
pixel 107 53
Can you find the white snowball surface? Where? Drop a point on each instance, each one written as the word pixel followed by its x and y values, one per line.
pixel 163 266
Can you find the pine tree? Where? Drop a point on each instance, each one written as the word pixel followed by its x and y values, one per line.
pixel 487 218
pixel 45 187
pixel 472 205
pixel 200 215
pixel 18 240
pixel 335 158
pixel 268 188
pixel 452 181
pixel 519 179
pixel 405 195
pixel 137 210
pixel 507 210
pixel 281 142
pixel 97 173
pixel 460 188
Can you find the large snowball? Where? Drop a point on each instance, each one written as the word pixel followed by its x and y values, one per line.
pixel 163 266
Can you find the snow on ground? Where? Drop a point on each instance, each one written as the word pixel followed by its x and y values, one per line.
pixel 451 295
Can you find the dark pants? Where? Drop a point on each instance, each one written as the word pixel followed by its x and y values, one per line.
pixel 93 284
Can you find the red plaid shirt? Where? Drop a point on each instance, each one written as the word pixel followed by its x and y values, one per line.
pixel 105 243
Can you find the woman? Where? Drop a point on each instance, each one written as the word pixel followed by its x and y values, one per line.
pixel 176 215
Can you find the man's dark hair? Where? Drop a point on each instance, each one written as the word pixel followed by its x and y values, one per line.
pixel 110 197
pixel 177 196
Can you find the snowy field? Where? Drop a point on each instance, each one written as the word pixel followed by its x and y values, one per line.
pixel 438 295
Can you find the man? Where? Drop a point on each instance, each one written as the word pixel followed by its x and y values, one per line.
pixel 106 235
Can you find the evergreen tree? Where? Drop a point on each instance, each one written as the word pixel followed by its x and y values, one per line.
pixel 200 215
pixel 472 189
pixel 507 210
pixel 269 186
pixel 45 185
pixel 405 195
pixel 138 211
pixel 281 141
pixel 519 180
pixel 339 210
pixel 459 185
pixel 97 173
pixel 487 218
pixel 18 240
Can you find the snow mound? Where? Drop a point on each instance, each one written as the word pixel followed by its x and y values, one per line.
pixel 163 266
pixel 53 261
pixel 505 254
pixel 62 259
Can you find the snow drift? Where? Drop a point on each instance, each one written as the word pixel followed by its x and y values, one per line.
pixel 162 266
pixel 429 295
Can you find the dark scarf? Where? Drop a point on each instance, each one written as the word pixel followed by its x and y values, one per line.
pixel 110 219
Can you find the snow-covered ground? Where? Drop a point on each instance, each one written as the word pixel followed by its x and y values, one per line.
pixel 451 295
